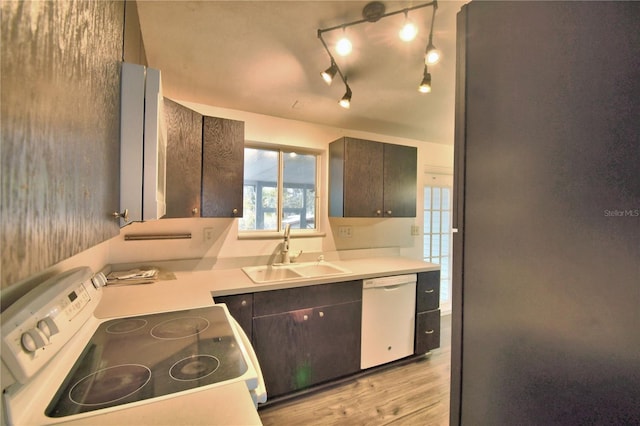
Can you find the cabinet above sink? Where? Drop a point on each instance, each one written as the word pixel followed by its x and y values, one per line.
pixel 205 164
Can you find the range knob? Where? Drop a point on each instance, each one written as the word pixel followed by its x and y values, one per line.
pixel 99 280
pixel 32 340
pixel 48 327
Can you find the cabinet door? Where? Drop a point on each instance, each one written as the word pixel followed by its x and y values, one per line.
pixel 184 160
pixel 355 182
pixel 335 337
pixel 222 167
pixel 301 348
pixel 428 291
pixel 241 309
pixel 427 331
pixel 363 175
pixel 400 174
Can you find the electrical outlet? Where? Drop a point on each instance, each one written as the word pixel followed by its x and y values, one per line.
pixel 345 231
pixel 415 230
pixel 207 234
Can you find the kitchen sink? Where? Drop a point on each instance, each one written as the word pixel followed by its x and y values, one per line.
pixel 315 269
pixel 261 274
pixel 292 271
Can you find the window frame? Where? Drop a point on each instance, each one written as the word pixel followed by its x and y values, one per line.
pixel 256 234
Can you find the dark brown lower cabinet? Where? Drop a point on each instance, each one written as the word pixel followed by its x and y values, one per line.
pixel 304 347
pixel 427 331
pixel 240 307
pixel 427 312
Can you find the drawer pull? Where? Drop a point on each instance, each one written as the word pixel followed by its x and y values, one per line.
pixel 429 332
pixel 306 317
pixel 244 303
pixel 430 290
pixel 321 314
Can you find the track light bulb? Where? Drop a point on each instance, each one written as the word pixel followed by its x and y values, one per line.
pixel 425 85
pixel 409 31
pixel 345 102
pixel 432 55
pixel 329 73
pixel 344 47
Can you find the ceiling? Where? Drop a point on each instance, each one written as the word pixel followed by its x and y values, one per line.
pixel 265 57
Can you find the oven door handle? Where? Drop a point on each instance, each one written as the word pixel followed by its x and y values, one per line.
pixel 259 394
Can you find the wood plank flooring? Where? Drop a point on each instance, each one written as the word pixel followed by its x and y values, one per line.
pixel 416 393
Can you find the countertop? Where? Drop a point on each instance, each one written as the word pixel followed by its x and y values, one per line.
pixel 195 288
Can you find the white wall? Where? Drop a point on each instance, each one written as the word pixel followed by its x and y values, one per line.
pixel 367 233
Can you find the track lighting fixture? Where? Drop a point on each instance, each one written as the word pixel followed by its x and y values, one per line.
pixel 329 73
pixel 344 46
pixel 345 102
pixel 409 31
pixel 425 85
pixel 431 55
pixel 373 12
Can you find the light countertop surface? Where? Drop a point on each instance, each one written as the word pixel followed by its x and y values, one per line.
pixel 195 288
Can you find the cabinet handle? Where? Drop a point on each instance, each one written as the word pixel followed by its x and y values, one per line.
pixel 378 212
pixel 429 332
pixel 306 317
pixel 429 291
pixel 124 215
pixel 243 303
pixel 194 211
pixel 234 211
pixel 321 314
pixel 389 212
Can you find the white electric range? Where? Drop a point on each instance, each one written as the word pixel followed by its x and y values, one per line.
pixel 70 365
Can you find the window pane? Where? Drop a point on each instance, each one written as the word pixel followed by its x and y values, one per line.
pixel 260 182
pixel 435 223
pixel 435 246
pixel 436 199
pixel 445 244
pixel 445 222
pixel 444 268
pixel 446 199
pixel 299 190
pixel 427 198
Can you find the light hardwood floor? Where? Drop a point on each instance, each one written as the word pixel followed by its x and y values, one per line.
pixel 416 393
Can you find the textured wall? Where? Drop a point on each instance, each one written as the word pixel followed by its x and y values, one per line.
pixel 60 67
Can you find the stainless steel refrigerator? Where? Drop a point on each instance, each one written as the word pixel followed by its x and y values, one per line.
pixel 546 291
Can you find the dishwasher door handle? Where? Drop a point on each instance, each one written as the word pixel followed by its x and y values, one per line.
pixel 391 287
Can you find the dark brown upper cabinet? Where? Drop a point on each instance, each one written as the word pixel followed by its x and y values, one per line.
pixel 371 179
pixel 222 167
pixel 205 164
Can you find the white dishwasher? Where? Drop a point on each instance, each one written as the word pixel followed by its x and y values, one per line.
pixel 388 319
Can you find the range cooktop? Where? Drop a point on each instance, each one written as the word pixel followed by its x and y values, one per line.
pixel 137 358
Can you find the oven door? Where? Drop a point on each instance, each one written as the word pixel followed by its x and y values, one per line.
pixel 259 394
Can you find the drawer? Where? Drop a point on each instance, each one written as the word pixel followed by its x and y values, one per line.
pixel 291 299
pixel 241 309
pixel 427 331
pixel 428 292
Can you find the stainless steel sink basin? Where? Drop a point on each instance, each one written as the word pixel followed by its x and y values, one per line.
pixel 292 271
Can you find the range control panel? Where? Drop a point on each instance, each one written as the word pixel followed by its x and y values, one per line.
pixel 36 327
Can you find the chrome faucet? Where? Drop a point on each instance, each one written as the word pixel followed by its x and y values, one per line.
pixel 285 244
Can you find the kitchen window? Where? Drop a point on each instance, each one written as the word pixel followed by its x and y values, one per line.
pixel 279 189
pixel 438 236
